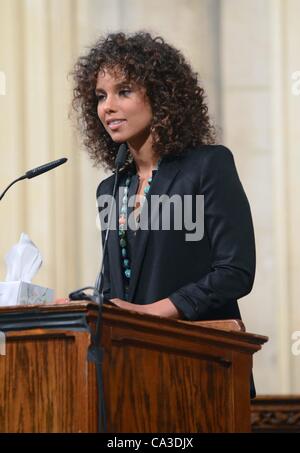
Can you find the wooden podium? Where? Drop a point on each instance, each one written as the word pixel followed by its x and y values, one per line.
pixel 160 375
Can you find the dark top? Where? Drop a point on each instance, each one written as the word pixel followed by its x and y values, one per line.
pixel 131 234
pixel 133 187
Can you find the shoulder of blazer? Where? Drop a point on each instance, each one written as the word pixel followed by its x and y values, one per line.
pixel 206 153
pixel 202 161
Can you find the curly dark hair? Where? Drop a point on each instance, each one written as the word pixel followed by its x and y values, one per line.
pixel 180 114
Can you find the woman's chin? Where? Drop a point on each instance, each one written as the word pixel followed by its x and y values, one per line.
pixel 118 138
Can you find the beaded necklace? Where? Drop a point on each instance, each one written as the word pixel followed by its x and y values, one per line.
pixel 123 220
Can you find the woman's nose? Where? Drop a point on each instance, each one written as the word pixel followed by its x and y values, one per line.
pixel 109 105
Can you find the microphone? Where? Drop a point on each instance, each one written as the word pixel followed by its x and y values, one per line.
pixel 121 156
pixel 36 172
pixel 46 167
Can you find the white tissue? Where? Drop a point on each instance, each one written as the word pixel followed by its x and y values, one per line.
pixel 23 260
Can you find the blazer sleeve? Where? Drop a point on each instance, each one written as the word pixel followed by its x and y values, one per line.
pixel 229 229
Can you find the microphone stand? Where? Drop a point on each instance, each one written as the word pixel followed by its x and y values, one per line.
pixel 96 352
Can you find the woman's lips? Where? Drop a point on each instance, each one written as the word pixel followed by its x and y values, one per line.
pixel 115 124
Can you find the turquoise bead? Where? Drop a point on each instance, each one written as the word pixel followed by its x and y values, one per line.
pixel 149 180
pixel 146 190
pixel 121 233
pixel 124 252
pixel 123 209
pixel 126 263
pixel 123 242
pixel 127 273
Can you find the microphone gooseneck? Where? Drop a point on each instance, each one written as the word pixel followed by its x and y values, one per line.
pixel 11 184
pixel 79 294
pixel 119 162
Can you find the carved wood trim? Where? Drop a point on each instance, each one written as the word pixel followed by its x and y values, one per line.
pixel 276 413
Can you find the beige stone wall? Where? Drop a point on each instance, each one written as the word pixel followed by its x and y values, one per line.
pixel 260 39
pixel 246 52
pixel 247 116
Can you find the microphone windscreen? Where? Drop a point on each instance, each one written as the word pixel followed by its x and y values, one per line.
pixel 46 167
pixel 121 155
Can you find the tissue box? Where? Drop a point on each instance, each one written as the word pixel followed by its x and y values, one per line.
pixel 23 293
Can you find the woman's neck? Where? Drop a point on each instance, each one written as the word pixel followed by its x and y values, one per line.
pixel 145 160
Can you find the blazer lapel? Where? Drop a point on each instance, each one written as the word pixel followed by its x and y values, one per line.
pixel 114 249
pixel 160 185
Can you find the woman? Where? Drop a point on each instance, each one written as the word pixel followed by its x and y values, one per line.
pixel 138 90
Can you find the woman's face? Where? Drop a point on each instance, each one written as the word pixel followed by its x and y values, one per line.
pixel 123 108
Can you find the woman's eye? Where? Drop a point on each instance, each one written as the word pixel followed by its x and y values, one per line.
pixel 125 91
pixel 100 97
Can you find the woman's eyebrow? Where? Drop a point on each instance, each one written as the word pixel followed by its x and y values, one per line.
pixel 99 90
pixel 117 85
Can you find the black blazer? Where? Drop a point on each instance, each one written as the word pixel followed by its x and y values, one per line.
pixel 202 278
